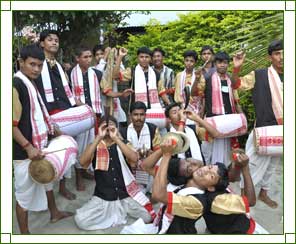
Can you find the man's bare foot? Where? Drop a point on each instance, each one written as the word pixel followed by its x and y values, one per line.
pixel 60 215
pixel 266 199
pixel 67 194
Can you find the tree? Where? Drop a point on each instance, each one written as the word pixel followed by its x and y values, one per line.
pixel 75 27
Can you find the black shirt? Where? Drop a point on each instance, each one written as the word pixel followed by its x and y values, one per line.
pixel 224 224
pixel 262 99
pixel 61 101
pixel 110 184
pixel 86 85
pixel 24 123
pixel 181 225
pixel 225 96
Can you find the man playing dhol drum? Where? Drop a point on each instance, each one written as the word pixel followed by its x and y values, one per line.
pixel 57 96
pixel 31 127
pixel 267 85
pixel 219 100
pixel 116 192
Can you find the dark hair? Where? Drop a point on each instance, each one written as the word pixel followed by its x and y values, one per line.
pixel 223 180
pixel 46 33
pixel 190 53
pixel 275 46
pixel 206 47
pixel 33 51
pixel 221 55
pixel 104 119
pixel 138 105
pixel 145 50
pixel 173 173
pixel 158 49
pixel 169 107
pixel 97 48
pixel 81 49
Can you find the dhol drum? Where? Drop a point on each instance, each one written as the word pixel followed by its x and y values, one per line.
pixel 230 125
pixel 156 116
pixel 75 121
pixel 60 155
pixel 268 140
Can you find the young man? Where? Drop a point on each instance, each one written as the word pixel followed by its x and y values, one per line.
pixel 116 193
pixel 219 100
pixel 177 118
pixel 267 88
pixel 109 85
pixel 55 92
pixel 204 193
pixel 147 86
pixel 31 128
pixel 85 83
pixel 207 56
pixel 100 54
pixel 184 85
pixel 165 73
pixel 144 137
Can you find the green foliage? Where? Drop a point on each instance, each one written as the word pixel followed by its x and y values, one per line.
pixel 230 31
pixel 75 27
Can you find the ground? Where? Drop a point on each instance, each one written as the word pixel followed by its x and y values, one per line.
pixel 270 219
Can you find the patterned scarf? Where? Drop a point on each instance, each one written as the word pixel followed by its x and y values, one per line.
pixel 40 119
pixel 47 84
pixel 94 87
pixel 217 100
pixel 276 89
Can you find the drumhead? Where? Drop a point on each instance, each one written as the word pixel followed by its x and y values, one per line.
pixel 42 171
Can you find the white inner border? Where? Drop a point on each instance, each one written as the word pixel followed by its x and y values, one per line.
pixel 6 111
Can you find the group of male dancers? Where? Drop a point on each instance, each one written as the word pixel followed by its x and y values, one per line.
pixel 126 156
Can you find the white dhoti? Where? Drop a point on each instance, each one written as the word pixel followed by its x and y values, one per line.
pixel 29 194
pixel 83 140
pixel 101 214
pixel 206 148
pixel 220 150
pixel 261 167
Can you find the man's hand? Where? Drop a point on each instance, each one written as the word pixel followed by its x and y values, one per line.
pixel 198 73
pixel 34 153
pixel 102 130
pixel 122 52
pixel 57 131
pixel 127 92
pixel 241 159
pixel 238 59
pixel 168 146
pixel 191 115
pixel 106 53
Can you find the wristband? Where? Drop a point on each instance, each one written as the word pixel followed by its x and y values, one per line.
pixel 236 70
